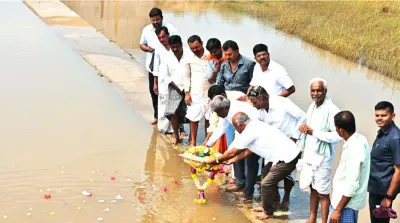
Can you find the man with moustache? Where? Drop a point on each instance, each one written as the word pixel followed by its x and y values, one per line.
pixel 173 71
pixel 318 142
pixel 215 59
pixel 236 73
pixel 148 43
pixel 384 179
pixel 270 75
pixel 196 94
pixel 286 116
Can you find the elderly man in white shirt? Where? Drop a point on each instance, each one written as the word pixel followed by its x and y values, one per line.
pixel 318 143
pixel 196 95
pixel 246 171
pixel 286 116
pixel 257 137
pixel 173 71
pixel 148 43
pixel 350 182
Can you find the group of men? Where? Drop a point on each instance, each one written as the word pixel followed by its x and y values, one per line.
pixel 233 92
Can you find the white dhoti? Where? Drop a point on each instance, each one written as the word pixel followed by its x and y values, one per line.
pixel 198 109
pixel 319 177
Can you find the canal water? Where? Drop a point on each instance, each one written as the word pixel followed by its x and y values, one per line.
pixel 350 86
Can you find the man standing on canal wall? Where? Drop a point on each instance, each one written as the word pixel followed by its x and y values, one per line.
pixel 318 143
pixel 384 179
pixel 148 43
pixel 196 95
pixel 173 71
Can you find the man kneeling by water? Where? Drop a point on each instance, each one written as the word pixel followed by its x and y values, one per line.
pixel 269 143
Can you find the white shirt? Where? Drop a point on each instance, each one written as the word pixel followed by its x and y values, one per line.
pixel 223 123
pixel 284 115
pixel 314 118
pixel 199 84
pixel 150 38
pixel 352 174
pixel 274 80
pixel 158 54
pixel 267 142
pixel 172 70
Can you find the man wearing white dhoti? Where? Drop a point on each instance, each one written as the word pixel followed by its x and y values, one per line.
pixel 196 92
pixel 318 142
pixel 173 73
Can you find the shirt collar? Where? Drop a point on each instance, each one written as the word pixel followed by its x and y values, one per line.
pixel 241 61
pixel 351 139
pixel 386 130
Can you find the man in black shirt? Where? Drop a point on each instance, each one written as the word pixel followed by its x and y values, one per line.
pixel 384 179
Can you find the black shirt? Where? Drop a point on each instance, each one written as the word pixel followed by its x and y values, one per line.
pixel 385 154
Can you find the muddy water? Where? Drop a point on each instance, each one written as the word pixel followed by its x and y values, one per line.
pixel 65 130
pixel 350 86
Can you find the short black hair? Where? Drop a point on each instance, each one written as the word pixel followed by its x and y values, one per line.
pixel 260 48
pixel 230 44
pixel 258 91
pixel 216 90
pixel 175 39
pixel 212 44
pixel 384 105
pixel 155 12
pixel 345 120
pixel 194 38
pixel 160 29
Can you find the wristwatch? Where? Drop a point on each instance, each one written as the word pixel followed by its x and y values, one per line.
pixel 389 197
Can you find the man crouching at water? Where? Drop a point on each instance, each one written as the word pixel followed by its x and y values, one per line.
pixel 173 72
pixel 257 137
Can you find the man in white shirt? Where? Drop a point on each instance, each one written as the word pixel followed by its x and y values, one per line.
pixel 270 75
pixel 257 137
pixel 286 116
pixel 351 178
pixel 318 142
pixel 246 171
pixel 148 43
pixel 196 95
pixel 173 71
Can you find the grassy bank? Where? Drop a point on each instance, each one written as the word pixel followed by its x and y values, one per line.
pixel 364 32
pixel 361 31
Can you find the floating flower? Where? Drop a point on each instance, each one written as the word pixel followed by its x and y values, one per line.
pixel 5 216
pixel 47 196
pixel 101 201
pixel 119 197
pixel 176 182
pixel 29 214
pixel 165 189
pixel 79 208
pixel 99 219
pixel 112 178
pixel 87 194
pixel 141 198
pixel 128 180
pixel 106 210
pixel 52 213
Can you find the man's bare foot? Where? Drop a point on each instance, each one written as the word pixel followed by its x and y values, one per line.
pixel 153 122
pixel 264 216
pixel 183 133
pixel 234 189
pixel 258 209
pixel 311 221
pixel 175 141
pixel 284 206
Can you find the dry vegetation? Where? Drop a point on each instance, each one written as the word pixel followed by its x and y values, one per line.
pixel 364 32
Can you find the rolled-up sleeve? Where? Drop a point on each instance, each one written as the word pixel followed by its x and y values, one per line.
pixel 223 124
pixel 143 37
pixel 330 136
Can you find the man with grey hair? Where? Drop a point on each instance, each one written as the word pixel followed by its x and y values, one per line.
pixel 318 143
pixel 246 171
pixel 257 137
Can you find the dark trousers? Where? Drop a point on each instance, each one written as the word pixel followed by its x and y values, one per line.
pixel 246 174
pixel 154 97
pixel 269 184
pixel 376 199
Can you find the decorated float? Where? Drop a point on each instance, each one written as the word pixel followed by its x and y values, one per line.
pixel 196 157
